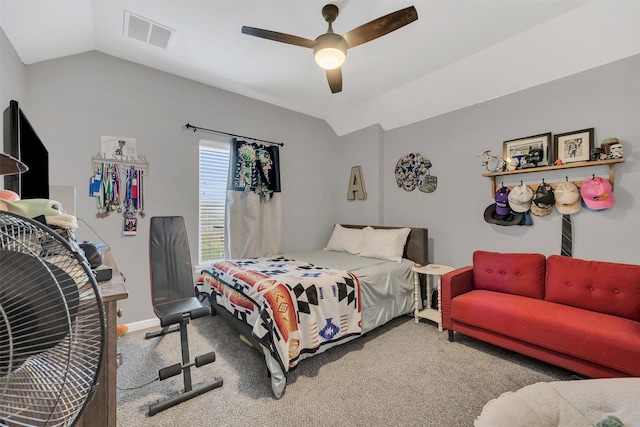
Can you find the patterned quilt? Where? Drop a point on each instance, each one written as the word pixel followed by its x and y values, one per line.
pixel 293 307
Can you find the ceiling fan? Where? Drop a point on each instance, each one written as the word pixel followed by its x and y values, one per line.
pixel 330 49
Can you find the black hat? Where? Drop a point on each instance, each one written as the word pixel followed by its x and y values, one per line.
pixel 492 217
pixel 543 200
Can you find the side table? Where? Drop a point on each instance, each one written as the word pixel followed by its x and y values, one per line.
pixel 435 315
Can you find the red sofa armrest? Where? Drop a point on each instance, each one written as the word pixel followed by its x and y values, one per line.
pixel 453 284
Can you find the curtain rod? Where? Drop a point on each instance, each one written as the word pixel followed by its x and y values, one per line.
pixel 195 128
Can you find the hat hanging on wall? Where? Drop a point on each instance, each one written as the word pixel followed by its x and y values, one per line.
pixel 520 198
pixel 597 194
pixel 567 198
pixel 543 200
pixel 500 212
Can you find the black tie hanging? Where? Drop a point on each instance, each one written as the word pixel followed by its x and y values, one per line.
pixel 567 239
pixel 567 198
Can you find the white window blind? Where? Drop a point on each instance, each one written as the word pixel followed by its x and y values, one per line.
pixel 214 168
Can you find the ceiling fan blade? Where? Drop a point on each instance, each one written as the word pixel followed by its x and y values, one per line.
pixel 335 79
pixel 278 37
pixel 381 26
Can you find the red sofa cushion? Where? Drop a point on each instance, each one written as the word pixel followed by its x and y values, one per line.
pixel 518 274
pixel 584 334
pixel 604 287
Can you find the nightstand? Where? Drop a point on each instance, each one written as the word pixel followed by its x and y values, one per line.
pixel 435 315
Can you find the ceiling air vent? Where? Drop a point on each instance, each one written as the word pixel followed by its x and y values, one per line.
pixel 147 31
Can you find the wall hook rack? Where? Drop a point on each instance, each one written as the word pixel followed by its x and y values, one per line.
pixel 609 162
pixel 122 162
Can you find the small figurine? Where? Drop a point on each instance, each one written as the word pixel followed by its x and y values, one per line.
pixel 558 162
pixel 616 151
pixel 607 144
pixel 597 154
pixel 535 156
pixel 518 156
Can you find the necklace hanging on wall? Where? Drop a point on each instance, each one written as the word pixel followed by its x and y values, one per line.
pixel 109 194
pixel 112 192
pixel 130 226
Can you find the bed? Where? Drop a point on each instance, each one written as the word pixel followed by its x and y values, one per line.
pixel 298 304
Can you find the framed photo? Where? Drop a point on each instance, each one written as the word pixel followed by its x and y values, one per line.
pixel 529 152
pixel 114 147
pixel 573 146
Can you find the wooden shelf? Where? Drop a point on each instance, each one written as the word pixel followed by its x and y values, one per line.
pixel 609 162
pixel 430 314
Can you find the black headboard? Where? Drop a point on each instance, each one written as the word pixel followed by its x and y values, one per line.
pixel 417 247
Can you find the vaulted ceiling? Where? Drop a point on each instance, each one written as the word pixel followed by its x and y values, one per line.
pixel 457 53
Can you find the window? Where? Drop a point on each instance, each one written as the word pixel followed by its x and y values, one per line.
pixel 214 167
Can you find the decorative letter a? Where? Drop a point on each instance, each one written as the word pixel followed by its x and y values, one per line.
pixel 356 185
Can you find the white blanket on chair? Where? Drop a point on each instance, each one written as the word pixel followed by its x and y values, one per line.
pixel 565 403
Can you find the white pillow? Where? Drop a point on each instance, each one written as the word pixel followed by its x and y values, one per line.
pixel 345 240
pixel 384 244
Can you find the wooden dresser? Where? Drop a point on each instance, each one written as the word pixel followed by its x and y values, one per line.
pixel 101 409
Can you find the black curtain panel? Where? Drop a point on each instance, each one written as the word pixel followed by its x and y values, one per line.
pixel 254 168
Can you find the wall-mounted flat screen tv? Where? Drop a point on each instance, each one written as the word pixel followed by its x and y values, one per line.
pixel 22 142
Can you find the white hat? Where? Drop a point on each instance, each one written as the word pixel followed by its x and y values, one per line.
pixel 567 198
pixel 520 198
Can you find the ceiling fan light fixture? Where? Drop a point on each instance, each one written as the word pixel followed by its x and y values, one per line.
pixel 330 51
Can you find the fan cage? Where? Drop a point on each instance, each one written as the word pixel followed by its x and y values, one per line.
pixel 52 326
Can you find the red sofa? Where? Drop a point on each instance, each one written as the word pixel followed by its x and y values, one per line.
pixel 580 315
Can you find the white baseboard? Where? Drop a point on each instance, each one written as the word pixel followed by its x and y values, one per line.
pixel 143 324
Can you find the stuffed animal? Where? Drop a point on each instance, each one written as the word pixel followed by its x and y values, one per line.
pixel 7 195
pixel 32 208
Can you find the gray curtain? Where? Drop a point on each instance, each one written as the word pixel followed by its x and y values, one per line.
pixel 253 217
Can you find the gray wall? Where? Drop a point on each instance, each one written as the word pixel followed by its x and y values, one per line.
pixel 606 98
pixel 13 81
pixel 72 101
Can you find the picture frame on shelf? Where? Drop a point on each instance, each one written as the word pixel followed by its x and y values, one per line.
pixel 529 152
pixel 572 147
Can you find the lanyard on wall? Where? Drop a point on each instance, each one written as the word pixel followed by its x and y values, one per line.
pixel 133 200
pixel 109 198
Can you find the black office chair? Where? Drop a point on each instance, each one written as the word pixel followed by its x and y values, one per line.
pixel 174 302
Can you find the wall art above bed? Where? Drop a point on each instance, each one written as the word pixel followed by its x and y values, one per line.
pixel 412 171
pixel 356 185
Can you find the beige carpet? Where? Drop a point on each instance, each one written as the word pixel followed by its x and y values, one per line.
pixel 401 374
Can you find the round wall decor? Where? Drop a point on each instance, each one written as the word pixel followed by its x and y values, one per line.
pixel 410 171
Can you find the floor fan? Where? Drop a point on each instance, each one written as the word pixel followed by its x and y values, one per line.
pixel 52 326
